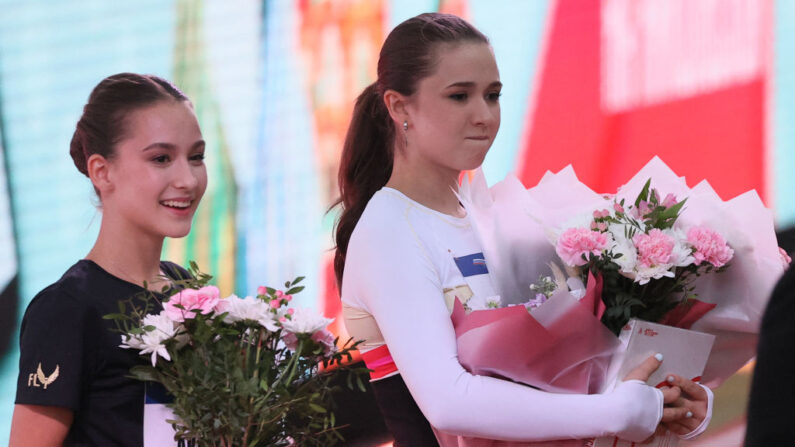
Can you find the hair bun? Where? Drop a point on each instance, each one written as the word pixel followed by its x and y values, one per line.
pixel 78 152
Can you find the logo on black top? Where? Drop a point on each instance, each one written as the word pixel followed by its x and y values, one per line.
pixel 38 379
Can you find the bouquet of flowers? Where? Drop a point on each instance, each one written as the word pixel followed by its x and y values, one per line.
pixel 647 263
pixel 639 253
pixel 241 371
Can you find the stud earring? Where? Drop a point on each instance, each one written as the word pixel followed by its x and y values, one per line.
pixel 405 125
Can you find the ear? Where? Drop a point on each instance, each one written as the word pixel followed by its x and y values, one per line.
pixel 396 105
pixel 99 172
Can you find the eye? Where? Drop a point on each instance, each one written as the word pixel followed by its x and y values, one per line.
pixel 494 96
pixel 161 159
pixel 197 158
pixel 460 97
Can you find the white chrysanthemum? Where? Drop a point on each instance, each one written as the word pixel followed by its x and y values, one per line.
pixel 251 309
pixel 153 341
pixel 131 342
pixel 682 255
pixel 624 246
pixel 305 321
pixel 645 274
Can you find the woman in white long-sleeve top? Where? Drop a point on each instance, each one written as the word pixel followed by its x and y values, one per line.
pixel 405 248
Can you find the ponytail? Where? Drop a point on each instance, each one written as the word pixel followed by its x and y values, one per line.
pixel 365 166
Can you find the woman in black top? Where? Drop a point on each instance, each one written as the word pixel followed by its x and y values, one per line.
pixel 139 143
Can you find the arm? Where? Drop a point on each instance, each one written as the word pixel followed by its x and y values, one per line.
pixel 39 425
pixel 393 278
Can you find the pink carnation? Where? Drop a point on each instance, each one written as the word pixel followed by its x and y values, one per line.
pixel 709 246
pixel 576 242
pixel 654 248
pixel 206 300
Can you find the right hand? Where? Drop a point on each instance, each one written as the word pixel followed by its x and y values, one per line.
pixel 670 394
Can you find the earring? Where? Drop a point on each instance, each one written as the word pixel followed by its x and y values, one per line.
pixel 405 125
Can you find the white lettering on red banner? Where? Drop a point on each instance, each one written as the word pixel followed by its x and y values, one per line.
pixel 656 51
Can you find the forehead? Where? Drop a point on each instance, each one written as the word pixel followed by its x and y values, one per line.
pixel 166 120
pixel 464 62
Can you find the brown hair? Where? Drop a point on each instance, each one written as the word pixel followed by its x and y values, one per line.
pixel 406 57
pixel 102 124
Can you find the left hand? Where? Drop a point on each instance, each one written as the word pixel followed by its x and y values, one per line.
pixel 694 398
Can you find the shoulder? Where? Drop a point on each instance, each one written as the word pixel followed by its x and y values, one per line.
pixel 390 217
pixel 62 303
pixel 387 227
pixel 782 301
pixel 68 292
pixel 389 241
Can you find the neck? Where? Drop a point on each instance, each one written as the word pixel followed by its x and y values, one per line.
pixel 430 185
pixel 126 254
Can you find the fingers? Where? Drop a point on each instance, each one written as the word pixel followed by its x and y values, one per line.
pixel 643 371
pixel 671 395
pixel 681 427
pixel 688 387
pixel 671 414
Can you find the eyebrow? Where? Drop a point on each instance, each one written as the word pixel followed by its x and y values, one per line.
pixel 171 147
pixel 469 84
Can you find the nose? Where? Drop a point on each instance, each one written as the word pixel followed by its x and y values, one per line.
pixel 184 176
pixel 485 113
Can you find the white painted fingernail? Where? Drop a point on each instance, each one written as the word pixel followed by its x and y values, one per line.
pixel 658 356
pixel 689 414
pixel 670 379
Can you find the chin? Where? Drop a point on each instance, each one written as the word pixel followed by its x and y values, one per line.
pixel 177 233
pixel 474 163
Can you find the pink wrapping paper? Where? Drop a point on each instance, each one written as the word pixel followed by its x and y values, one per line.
pixel 561 347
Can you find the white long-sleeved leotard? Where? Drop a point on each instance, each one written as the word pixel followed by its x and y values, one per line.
pixel 400 260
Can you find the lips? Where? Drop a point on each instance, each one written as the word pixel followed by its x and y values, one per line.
pixel 479 138
pixel 179 204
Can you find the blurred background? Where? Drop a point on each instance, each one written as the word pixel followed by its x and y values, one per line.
pixel 709 86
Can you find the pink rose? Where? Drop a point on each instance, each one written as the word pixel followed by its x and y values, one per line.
pixel 262 290
pixel 654 248
pixel 576 242
pixel 618 208
pixel 206 300
pixel 709 246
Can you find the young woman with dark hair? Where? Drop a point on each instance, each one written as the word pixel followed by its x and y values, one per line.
pixel 139 143
pixel 405 250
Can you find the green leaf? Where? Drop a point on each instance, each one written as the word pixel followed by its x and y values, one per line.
pixel 294 290
pixel 673 211
pixel 644 193
pixel 317 408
